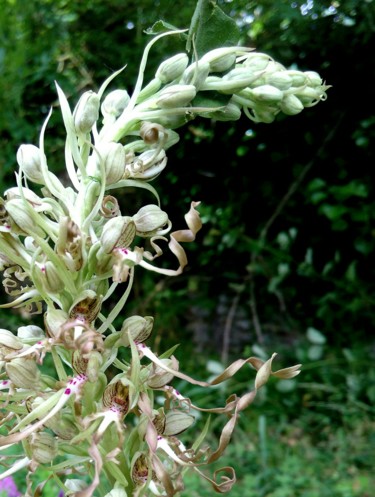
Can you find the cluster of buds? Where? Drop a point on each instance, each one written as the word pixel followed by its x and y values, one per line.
pixel 110 411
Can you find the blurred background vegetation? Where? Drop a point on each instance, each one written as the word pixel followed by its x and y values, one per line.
pixel 285 260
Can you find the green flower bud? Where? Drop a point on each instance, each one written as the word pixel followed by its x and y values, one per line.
pixel 176 422
pixel 267 94
pixel 29 160
pixel 196 74
pixel 23 373
pixel 257 61
pixel 113 157
pixel 50 278
pixel 231 112
pixel 86 112
pixel 159 377
pixel 117 232
pixel 149 90
pixel 30 333
pixel 9 342
pixel 149 219
pixel 43 447
pixel 172 68
pixel 176 96
pixel 54 319
pixel 115 103
pixel 298 78
pixel 235 80
pixel 314 78
pixel 279 79
pixel 23 222
pixel 309 95
pixel 138 327
pixel 264 115
pixel 291 105
pixel 220 59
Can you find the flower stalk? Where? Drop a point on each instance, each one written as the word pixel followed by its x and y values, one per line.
pixel 99 423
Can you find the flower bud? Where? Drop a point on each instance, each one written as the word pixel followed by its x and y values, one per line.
pixel 196 74
pixel 176 422
pixel 23 221
pixel 50 278
pixel 279 79
pixel 149 90
pixel 159 377
pixel 43 447
pixel 235 80
pixel 30 333
pixel 291 105
pixel 115 103
pixel 172 68
pixel 267 94
pixel 313 78
pixel 54 319
pixel 138 327
pixel 23 373
pixel 117 232
pixel 220 59
pixel 308 95
pixel 231 112
pixel 149 219
pixel 113 157
pixel 86 112
pixel 8 341
pixel 29 160
pixel 298 78
pixel 257 61
pixel 176 96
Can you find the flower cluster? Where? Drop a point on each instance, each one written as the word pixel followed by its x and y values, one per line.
pixel 108 421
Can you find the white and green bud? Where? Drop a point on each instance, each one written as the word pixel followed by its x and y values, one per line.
pixel 235 80
pixel 220 59
pixel 309 96
pixel 279 79
pixel 113 156
pixel 267 94
pixel 257 61
pixel 176 96
pixel 30 333
pixel 43 447
pixel 114 103
pixel 8 341
pixel 149 90
pixel 230 112
pixel 21 219
pixel 172 68
pixel 149 219
pixel 23 373
pixel 159 377
pixel 29 160
pixel 291 105
pixel 50 278
pixel 176 422
pixel 314 78
pixel 196 74
pixel 138 327
pixel 117 232
pixel 86 112
pixel 298 78
pixel 54 319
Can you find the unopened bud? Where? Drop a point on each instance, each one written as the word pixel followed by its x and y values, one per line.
pixel 22 219
pixel 138 328
pixel 117 232
pixel 230 112
pixel 176 422
pixel 8 341
pixel 50 278
pixel 86 112
pixel 257 61
pixel 149 219
pixel 267 94
pixel 54 319
pixel 29 160
pixel 43 447
pixel 176 96
pixel 313 78
pixel 279 79
pixel 115 103
pixel 23 373
pixel 196 74
pixel 220 59
pixel 30 333
pixel 291 105
pixel 113 157
pixel 172 68
pixel 159 377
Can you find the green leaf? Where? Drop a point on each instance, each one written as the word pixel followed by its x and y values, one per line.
pixel 211 28
pixel 161 27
